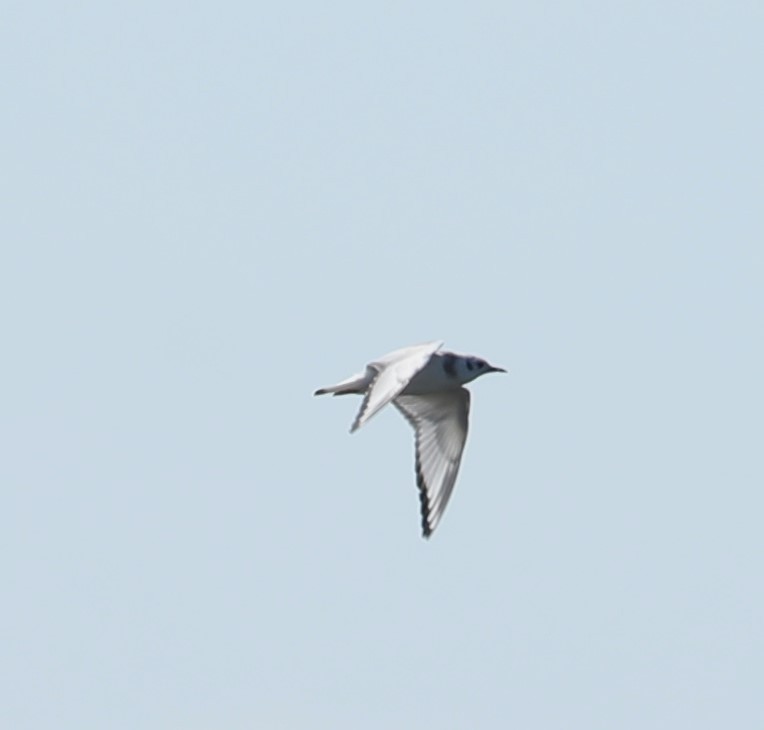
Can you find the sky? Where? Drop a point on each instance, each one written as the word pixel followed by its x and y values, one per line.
pixel 210 210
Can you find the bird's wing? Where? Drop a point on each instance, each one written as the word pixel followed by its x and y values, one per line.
pixel 440 421
pixel 405 352
pixel 393 374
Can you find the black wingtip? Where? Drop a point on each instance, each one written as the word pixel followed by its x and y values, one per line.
pixel 424 505
pixel 320 391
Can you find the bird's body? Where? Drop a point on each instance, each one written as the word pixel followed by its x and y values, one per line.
pixel 425 385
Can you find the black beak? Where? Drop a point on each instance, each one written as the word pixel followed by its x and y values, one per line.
pixel 492 369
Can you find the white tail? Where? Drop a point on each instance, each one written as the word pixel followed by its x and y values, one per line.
pixel 356 385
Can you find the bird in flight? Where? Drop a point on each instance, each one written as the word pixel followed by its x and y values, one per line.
pixel 426 385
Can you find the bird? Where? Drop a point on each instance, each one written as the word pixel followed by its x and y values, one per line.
pixel 426 385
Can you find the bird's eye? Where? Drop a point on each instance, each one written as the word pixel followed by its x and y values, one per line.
pixel 480 364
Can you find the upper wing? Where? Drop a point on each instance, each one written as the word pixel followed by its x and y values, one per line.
pixel 406 352
pixel 440 421
pixel 394 371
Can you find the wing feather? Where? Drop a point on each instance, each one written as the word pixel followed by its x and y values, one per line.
pixel 440 421
pixel 393 374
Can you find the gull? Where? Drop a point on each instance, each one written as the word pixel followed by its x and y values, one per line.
pixel 425 385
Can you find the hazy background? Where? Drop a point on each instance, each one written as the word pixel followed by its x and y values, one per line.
pixel 211 209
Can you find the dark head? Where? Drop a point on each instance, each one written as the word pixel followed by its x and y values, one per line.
pixel 473 367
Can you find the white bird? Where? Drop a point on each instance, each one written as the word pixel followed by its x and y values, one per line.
pixel 425 385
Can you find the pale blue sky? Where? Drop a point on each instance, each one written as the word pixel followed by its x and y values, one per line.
pixel 209 210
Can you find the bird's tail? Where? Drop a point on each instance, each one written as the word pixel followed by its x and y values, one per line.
pixel 354 385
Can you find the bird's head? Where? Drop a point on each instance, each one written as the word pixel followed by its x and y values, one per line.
pixel 474 367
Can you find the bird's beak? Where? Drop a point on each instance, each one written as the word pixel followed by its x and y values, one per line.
pixel 492 369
